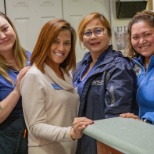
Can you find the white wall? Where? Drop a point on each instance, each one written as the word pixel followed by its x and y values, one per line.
pixel 121 22
pixel 116 22
pixel 75 10
pixel 27 15
pixel 72 13
pixel 2 6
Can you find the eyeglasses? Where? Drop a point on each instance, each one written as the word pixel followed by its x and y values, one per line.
pixel 96 32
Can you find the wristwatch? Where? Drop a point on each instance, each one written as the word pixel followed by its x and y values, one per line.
pixel 147 121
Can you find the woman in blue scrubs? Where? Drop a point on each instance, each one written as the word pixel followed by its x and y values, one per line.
pixel 13 59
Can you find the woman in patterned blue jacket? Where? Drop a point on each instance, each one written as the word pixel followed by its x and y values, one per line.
pixel 104 78
pixel 141 50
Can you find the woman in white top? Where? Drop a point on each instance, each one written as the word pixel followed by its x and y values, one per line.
pixel 50 102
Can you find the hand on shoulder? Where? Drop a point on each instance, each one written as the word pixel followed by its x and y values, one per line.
pixel 20 76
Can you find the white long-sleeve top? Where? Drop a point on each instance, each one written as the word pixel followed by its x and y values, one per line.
pixel 49 104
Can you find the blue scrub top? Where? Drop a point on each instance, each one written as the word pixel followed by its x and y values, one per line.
pixel 6 88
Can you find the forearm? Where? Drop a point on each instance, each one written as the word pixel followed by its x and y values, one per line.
pixel 8 104
pixel 50 132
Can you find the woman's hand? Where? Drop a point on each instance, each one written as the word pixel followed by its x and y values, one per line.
pixel 8 104
pixel 129 115
pixel 79 124
pixel 20 76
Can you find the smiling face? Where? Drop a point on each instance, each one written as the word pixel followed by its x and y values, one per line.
pixel 60 48
pixel 142 39
pixel 7 36
pixel 96 43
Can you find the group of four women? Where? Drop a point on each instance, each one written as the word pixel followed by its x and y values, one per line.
pixel 40 102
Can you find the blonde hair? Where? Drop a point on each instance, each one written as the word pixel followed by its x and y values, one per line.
pixel 18 51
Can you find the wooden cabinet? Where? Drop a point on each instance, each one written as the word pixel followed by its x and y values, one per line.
pixel 105 149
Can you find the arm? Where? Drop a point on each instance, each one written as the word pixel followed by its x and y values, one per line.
pixel 34 92
pixel 8 104
pixel 120 90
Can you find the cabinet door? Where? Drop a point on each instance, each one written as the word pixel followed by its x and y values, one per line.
pixel 2 8
pixel 30 15
pixel 75 10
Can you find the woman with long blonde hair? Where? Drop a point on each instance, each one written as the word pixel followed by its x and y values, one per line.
pixel 13 59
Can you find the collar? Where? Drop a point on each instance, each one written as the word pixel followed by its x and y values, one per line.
pixel 140 59
pixel 88 58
